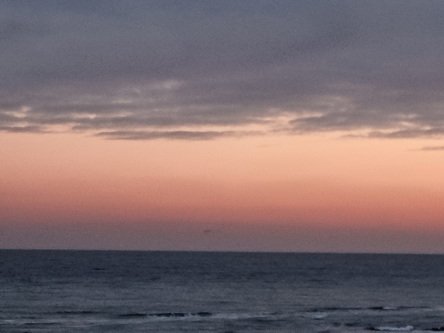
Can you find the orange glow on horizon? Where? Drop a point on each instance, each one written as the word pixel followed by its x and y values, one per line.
pixel 287 181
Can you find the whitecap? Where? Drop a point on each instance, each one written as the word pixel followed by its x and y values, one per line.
pixel 316 315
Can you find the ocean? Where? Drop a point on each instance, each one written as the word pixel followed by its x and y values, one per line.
pixel 119 291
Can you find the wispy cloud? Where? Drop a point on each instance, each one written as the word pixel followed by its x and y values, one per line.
pixel 149 69
pixel 432 148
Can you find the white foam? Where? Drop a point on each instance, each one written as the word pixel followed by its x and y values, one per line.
pixel 199 317
pixel 389 308
pixel 316 315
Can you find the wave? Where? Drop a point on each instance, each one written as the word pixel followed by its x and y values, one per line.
pixel 201 315
pixel 132 315
pixel 392 328
pixel 370 308
pixel 76 313
pixel 180 314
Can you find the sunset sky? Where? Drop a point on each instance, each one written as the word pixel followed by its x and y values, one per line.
pixel 222 125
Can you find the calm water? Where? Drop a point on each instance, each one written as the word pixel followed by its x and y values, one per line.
pixel 106 291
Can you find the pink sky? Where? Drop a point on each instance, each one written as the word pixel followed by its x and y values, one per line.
pixel 274 193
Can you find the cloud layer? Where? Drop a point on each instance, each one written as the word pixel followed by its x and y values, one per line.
pixel 202 69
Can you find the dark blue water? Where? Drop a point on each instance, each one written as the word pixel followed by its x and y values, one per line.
pixel 107 291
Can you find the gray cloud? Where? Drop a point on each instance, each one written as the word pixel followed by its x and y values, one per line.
pixel 147 135
pixel 172 69
pixel 21 129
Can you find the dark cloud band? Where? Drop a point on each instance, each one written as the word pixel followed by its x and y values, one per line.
pixel 181 70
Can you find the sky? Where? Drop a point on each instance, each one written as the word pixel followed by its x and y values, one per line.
pixel 306 126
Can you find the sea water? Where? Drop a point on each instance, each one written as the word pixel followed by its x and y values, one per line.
pixel 110 291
